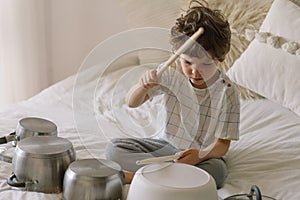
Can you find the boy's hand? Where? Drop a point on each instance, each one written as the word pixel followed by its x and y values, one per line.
pixel 189 156
pixel 149 79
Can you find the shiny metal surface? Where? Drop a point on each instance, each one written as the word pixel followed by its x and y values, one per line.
pixel 254 194
pixel 93 179
pixel 32 126
pixel 40 162
pixel 28 127
pixel 44 147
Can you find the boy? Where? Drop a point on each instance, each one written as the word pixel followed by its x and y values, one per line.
pixel 202 105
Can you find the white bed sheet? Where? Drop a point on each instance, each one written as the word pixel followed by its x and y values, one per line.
pixel 267 154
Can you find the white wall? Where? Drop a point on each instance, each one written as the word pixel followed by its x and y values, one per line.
pixel 24 65
pixel 45 41
pixel 75 27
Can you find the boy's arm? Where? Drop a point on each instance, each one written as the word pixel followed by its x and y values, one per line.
pixel 138 94
pixel 218 149
pixel 194 156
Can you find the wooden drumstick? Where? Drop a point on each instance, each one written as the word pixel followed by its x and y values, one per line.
pixel 182 49
pixel 157 159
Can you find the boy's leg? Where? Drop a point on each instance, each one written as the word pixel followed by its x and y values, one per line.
pixel 126 151
pixel 216 168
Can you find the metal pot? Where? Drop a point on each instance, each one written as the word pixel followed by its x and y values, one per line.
pixel 254 194
pixel 30 126
pixel 40 162
pixel 176 181
pixel 93 179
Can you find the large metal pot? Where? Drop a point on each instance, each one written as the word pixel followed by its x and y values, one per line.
pixel 92 179
pixel 40 162
pixel 30 126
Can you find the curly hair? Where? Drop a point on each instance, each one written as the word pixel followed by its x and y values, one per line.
pixel 217 34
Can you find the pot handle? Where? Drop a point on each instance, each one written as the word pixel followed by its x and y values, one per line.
pixel 255 190
pixel 3 140
pixel 8 138
pixel 11 182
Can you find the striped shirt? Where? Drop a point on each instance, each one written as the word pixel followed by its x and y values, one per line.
pixel 195 117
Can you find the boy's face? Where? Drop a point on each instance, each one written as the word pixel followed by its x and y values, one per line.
pixel 198 70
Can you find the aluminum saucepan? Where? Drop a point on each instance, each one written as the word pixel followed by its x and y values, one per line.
pixel 93 179
pixel 30 126
pixel 39 163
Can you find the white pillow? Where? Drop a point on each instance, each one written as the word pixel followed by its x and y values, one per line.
pixel 269 71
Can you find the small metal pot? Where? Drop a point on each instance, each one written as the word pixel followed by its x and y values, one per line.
pixel 30 126
pixel 40 162
pixel 93 179
pixel 254 194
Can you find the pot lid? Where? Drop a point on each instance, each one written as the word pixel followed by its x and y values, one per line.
pixel 94 168
pixel 43 146
pixel 37 125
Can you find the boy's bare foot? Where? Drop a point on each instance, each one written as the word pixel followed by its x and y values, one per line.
pixel 128 177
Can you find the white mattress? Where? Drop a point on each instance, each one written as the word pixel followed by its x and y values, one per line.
pixel 267 154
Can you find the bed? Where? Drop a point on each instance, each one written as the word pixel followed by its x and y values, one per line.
pixel 264 63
